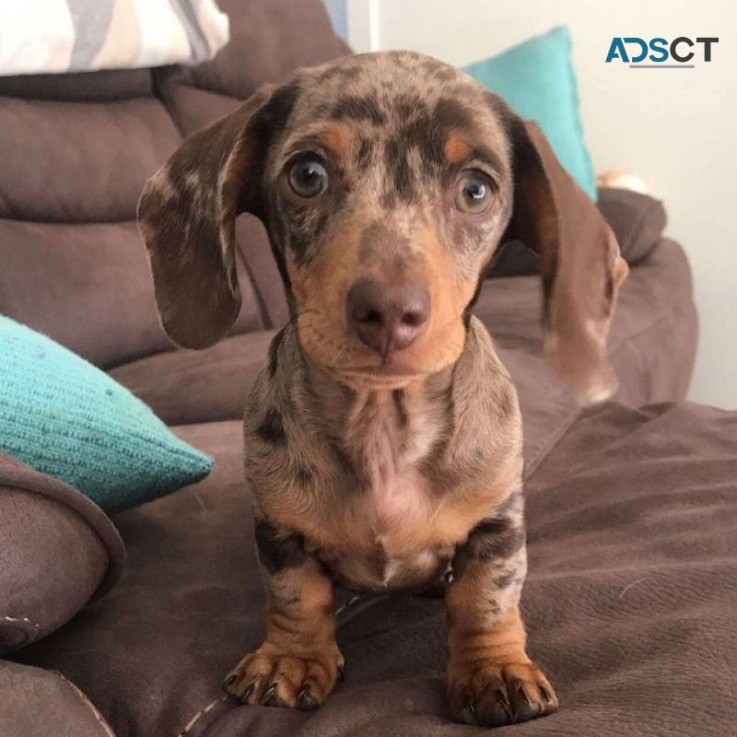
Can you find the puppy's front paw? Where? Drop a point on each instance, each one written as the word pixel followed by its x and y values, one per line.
pixel 491 695
pixel 274 678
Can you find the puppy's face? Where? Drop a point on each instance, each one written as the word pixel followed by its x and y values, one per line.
pixel 385 182
pixel 387 191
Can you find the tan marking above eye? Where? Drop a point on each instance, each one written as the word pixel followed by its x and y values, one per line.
pixel 338 139
pixel 457 148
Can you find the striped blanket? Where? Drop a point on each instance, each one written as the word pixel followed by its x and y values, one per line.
pixel 43 36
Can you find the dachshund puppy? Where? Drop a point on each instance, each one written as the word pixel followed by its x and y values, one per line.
pixel 383 438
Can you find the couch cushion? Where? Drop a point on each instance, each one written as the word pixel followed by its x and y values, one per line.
pixel 269 39
pixel 58 550
pixel 39 703
pixel 113 84
pixel 86 283
pixel 637 220
pixel 185 387
pixel 629 602
pixel 89 287
pixel 80 162
pixel 653 341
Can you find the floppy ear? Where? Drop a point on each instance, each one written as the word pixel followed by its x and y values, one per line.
pixel 187 217
pixel 579 260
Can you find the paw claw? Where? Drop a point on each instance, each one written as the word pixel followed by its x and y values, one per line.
pixel 494 695
pixel 248 693
pixel 305 700
pixel 270 697
pixel 521 691
pixel 499 715
pixel 281 679
pixel 467 714
pixel 501 697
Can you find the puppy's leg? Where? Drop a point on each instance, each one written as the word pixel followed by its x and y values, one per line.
pixel 299 662
pixel 491 680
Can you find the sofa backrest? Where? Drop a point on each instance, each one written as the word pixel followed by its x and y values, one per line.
pixel 75 151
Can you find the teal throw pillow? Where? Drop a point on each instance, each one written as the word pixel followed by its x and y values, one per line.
pixel 67 419
pixel 537 80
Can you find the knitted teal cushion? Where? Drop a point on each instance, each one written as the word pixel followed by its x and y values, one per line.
pixel 67 419
pixel 536 78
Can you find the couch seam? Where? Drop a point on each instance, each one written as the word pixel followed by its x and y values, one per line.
pixel 550 441
pixel 12 620
pixel 193 721
pixel 653 323
pixel 83 698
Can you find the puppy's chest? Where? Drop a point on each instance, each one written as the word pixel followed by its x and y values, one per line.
pixel 389 536
pixel 386 538
pixel 387 443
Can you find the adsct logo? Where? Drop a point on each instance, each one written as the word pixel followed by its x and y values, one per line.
pixel 680 53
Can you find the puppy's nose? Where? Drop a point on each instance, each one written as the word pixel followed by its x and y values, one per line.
pixel 387 317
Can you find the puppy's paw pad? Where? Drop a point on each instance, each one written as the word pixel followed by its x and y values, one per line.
pixel 280 679
pixel 491 695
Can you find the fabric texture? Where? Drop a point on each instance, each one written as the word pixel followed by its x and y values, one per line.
pixel 97 298
pixel 629 601
pixel 58 551
pixel 184 387
pixel 537 80
pixel 67 419
pixel 40 703
pixel 41 36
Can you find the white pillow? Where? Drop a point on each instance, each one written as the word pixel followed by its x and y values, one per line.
pixel 54 36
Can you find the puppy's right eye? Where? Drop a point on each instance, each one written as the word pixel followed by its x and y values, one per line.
pixel 474 193
pixel 308 178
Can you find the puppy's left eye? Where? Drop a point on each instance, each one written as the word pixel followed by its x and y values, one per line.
pixel 308 178
pixel 474 193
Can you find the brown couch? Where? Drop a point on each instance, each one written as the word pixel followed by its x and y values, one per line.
pixel 631 511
